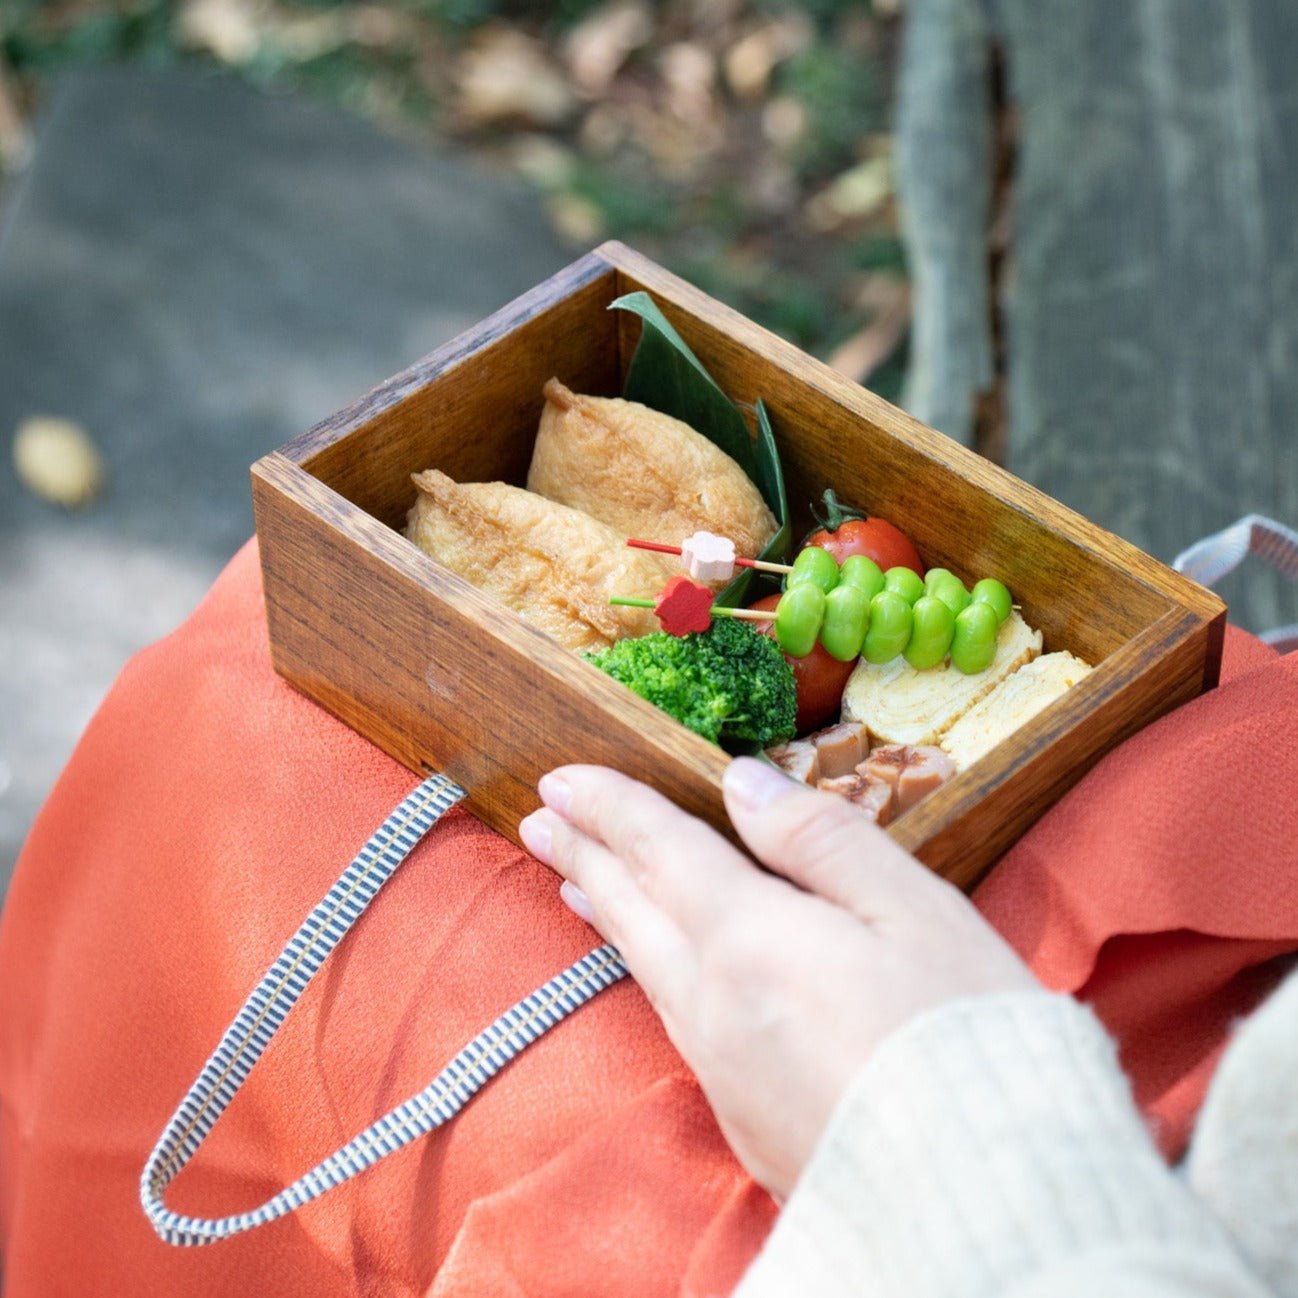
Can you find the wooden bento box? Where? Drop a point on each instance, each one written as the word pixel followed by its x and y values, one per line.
pixel 443 678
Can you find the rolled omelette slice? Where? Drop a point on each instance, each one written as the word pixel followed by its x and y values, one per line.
pixel 900 705
pixel 643 473
pixel 1014 702
pixel 552 565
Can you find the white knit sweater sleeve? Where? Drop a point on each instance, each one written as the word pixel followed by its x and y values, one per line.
pixel 991 1147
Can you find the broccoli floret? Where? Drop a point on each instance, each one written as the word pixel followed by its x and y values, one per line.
pixel 728 682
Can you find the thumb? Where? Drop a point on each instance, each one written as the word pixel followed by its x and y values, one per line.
pixel 821 842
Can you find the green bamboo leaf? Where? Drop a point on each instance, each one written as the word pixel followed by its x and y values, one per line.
pixel 769 478
pixel 666 376
pixel 770 482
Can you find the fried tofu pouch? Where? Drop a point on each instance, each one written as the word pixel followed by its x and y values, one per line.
pixel 552 565
pixel 643 473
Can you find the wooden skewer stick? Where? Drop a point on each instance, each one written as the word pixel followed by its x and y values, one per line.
pixel 763 565
pixel 745 614
pixel 684 606
pixel 760 564
pixel 655 546
pixel 717 610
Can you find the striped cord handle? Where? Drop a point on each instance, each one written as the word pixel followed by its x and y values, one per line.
pixel 268 1006
pixel 1209 560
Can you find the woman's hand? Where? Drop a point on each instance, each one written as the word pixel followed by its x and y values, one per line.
pixel 775 990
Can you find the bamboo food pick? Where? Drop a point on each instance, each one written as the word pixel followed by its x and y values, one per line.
pixel 684 606
pixel 708 557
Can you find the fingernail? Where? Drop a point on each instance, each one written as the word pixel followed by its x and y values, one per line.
pixel 756 784
pixel 534 830
pixel 556 793
pixel 576 901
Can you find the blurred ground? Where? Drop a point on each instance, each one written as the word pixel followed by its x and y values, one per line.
pixel 196 272
pixel 743 143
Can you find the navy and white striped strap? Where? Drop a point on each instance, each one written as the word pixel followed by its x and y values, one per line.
pixel 268 1006
pixel 1209 560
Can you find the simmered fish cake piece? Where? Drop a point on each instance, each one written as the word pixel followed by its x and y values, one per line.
pixel 642 472
pixel 553 565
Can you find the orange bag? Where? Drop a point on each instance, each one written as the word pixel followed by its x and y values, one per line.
pixel 209 806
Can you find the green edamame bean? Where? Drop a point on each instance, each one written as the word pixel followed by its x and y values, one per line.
pixel 947 587
pixel 996 593
pixel 890 623
pixel 861 571
pixel 847 617
pixel 798 617
pixel 906 582
pixel 816 566
pixel 973 644
pixel 932 626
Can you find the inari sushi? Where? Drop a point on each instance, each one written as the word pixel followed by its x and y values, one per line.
pixel 553 565
pixel 643 473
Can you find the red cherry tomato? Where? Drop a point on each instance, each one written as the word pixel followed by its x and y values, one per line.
pixel 877 538
pixel 820 679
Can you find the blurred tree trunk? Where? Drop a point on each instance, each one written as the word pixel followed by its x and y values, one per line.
pixel 1150 294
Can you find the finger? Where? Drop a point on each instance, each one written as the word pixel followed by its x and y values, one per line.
pixel 821 842
pixel 654 949
pixel 685 866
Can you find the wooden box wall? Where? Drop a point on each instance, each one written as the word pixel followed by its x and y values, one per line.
pixel 443 678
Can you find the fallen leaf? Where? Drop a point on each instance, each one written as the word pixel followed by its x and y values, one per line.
pixel 772 186
pixel 381 27
pixel 506 76
pixel 575 219
pixel 750 61
pixel 860 355
pixel 784 122
pixel 855 193
pixel 680 149
pixel 56 460
pixel 711 15
pixel 876 291
pixel 600 44
pixel 603 130
pixel 689 74
pixel 229 30
pixel 544 162
pixel 309 36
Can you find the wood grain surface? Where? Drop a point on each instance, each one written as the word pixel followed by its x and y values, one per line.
pixel 442 677
pixel 1150 316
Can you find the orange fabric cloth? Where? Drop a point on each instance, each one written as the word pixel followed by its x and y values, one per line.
pixel 1163 889
pixel 209 806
